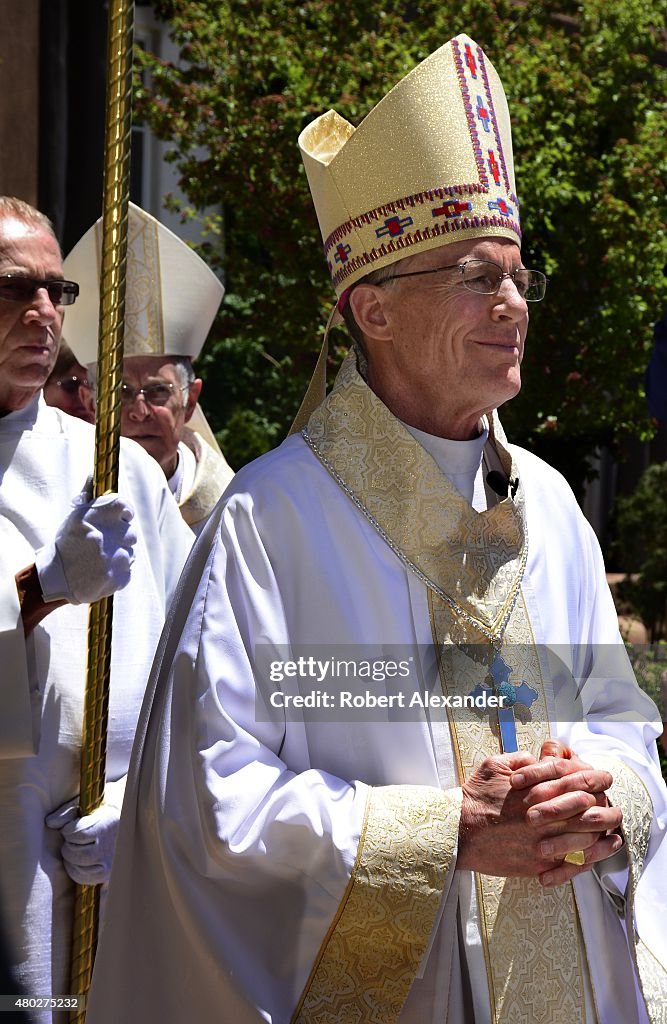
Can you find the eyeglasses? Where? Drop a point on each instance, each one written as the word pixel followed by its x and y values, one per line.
pixel 485 278
pixel 154 394
pixel 72 384
pixel 14 288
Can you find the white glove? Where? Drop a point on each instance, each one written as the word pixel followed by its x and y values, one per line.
pixel 92 552
pixel 89 842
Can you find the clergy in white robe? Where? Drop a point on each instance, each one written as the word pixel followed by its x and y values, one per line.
pixel 243 842
pixel 46 460
pixel 171 300
pixel 291 854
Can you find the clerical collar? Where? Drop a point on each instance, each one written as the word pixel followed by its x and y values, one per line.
pixel 175 481
pixel 453 457
pixel 181 480
pixel 460 461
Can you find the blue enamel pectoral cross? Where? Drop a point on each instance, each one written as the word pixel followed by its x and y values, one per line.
pixel 511 696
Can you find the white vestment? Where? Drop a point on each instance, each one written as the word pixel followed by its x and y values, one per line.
pixel 201 476
pixel 46 458
pixel 242 837
pixel 15 717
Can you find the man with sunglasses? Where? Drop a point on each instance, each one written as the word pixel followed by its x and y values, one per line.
pixel 68 387
pixel 171 300
pixel 61 551
pixel 417 781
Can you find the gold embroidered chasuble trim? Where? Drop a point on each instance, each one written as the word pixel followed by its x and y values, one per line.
pixel 529 934
pixel 378 939
pixel 472 564
pixel 653 982
pixel 212 475
pixel 399 488
pixel 630 794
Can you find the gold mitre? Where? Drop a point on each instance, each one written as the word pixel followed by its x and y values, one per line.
pixel 171 295
pixel 431 164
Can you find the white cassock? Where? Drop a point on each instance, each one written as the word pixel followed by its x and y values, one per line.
pixel 202 474
pixel 305 870
pixel 46 458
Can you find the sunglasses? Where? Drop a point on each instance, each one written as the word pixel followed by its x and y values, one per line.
pixel 23 289
pixel 72 384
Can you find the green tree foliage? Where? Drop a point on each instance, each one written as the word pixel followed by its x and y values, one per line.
pixel 641 527
pixel 586 91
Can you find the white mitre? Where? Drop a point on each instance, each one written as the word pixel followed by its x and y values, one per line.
pixel 171 296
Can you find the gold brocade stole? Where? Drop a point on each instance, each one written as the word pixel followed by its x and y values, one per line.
pixel 529 934
pixel 472 564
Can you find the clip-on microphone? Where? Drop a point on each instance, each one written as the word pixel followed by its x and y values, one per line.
pixel 502 484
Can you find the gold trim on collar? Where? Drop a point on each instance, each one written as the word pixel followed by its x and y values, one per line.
pixel 473 559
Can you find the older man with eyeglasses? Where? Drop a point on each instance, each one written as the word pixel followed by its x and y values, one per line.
pixel 171 299
pixel 396 767
pixel 59 551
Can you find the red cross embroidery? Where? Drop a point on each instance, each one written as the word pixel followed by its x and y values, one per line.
pixel 451 208
pixel 483 114
pixel 393 226
pixel 502 207
pixel 470 61
pixel 493 167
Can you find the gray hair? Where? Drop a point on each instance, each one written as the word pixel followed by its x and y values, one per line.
pixel 186 374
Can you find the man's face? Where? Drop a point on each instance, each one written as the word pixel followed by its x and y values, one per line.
pixel 71 393
pixel 158 429
pixel 444 355
pixel 29 330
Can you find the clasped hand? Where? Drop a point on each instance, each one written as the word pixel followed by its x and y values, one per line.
pixel 520 816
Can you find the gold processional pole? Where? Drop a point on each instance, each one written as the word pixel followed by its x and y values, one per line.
pixel 107 442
